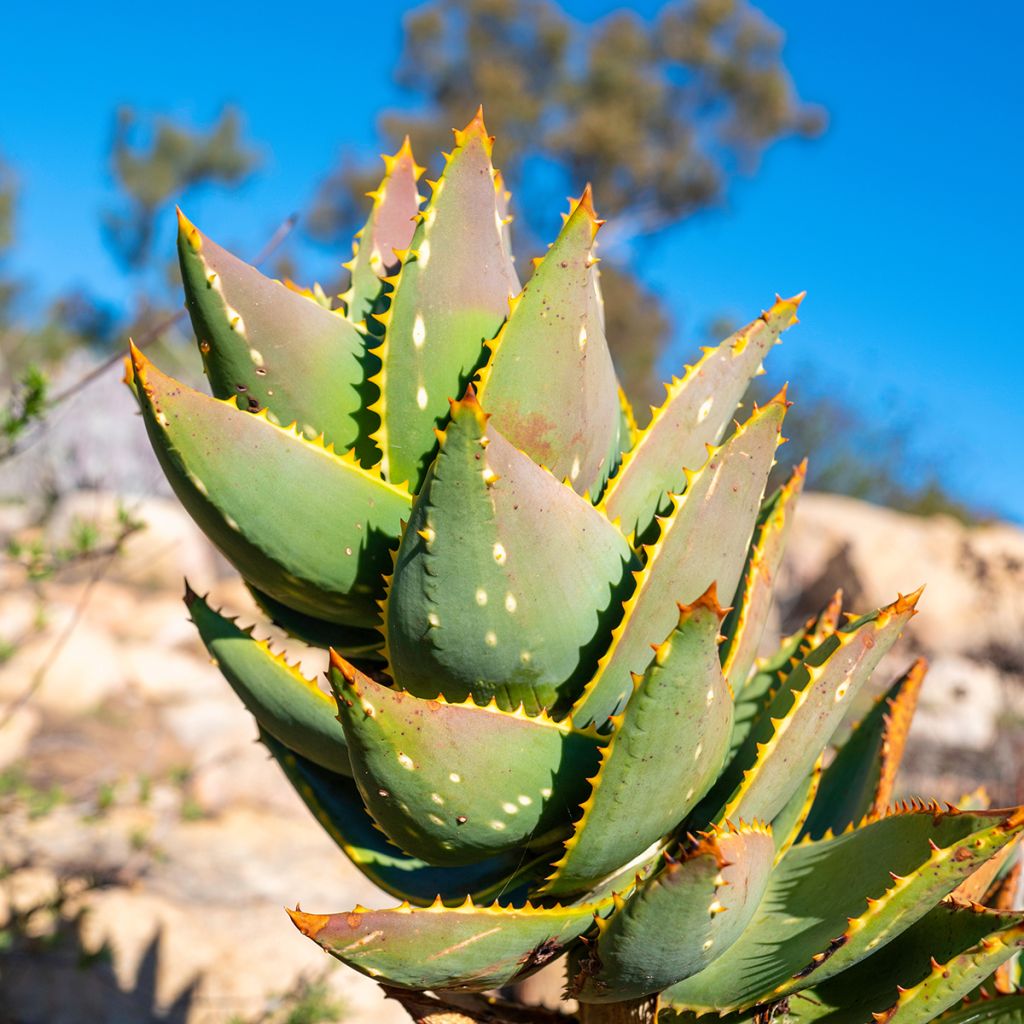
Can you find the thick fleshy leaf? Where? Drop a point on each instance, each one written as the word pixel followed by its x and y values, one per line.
pixel 292 708
pixel 770 672
pixel 469 948
pixel 453 783
pixel 451 295
pixel 787 739
pixel 695 413
pixel 924 972
pixel 680 920
pixel 666 750
pixel 308 527
pixel 787 825
pixel 389 227
pixel 831 903
pixel 506 580
pixel 266 346
pixel 744 626
pixel 352 642
pixel 861 778
pixel 550 384
pixel 335 803
pixel 704 540
pixel 997 1009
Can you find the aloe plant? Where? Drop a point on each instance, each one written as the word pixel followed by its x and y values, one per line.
pixel 550 726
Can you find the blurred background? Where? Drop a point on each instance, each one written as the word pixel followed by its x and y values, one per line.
pixel 864 153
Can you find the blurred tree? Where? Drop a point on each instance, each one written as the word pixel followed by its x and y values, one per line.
pixel 850 454
pixel 156 161
pixel 657 113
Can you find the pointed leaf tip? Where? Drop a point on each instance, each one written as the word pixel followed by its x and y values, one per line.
pixel 309 924
pixel 475 128
pixel 188 231
pixel 347 670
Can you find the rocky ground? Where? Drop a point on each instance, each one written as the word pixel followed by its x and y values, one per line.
pixel 148 845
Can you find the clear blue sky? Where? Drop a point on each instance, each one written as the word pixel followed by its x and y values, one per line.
pixel 903 223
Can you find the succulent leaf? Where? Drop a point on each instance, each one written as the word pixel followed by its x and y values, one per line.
pixel 998 1008
pixel 553 345
pixel 923 972
pixel 832 902
pixel 308 527
pixel 292 708
pixel 703 541
pixel 451 295
pixel 681 919
pixel 695 413
pixel 335 802
pixel 266 346
pixel 788 824
pixel 782 747
pixel 352 642
pixel 770 672
pixel 675 728
pixel 505 580
pixel 452 783
pixel 469 948
pixel 860 780
pixel 744 626
pixel 389 228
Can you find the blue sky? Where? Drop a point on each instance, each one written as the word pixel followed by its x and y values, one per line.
pixel 903 222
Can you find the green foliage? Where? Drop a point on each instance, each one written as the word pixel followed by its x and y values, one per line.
pixel 156 161
pixel 26 406
pixel 562 741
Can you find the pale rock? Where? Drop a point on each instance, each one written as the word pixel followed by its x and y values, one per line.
pixel 17 727
pixel 973 602
pixel 85 670
pixel 168 675
pixel 960 704
pixel 211 728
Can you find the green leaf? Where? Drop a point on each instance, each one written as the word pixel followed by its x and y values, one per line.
pixel 704 540
pixel 744 626
pixel 550 384
pixel 787 739
pixel 453 783
pixel 308 527
pixel 267 346
pixel 292 708
pixel 861 778
pixel 389 227
pixel 666 750
pixel 998 1009
pixel 451 295
pixel 469 948
pixel 681 919
pixel 695 413
pixel 831 903
pixel 505 581
pixel 365 644
pixel 921 974
pixel 335 803
pixel 770 672
pixel 787 825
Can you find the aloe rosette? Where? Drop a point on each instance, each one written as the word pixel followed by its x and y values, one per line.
pixel 548 729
